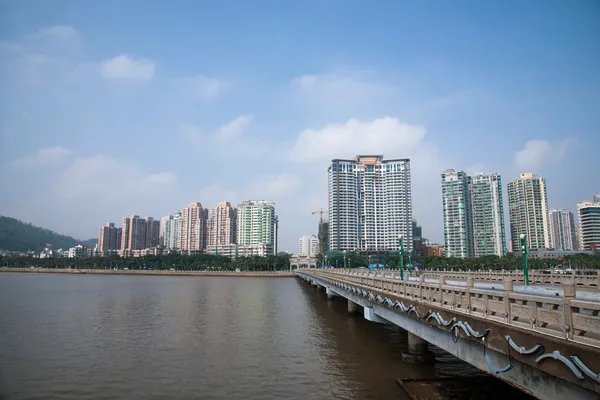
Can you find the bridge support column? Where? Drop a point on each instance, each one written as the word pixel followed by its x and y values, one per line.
pixel 418 351
pixel 370 315
pixel 330 294
pixel 352 307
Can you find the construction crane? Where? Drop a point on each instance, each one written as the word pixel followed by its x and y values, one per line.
pixel 321 232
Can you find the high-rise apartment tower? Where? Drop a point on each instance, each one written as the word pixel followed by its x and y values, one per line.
pixel 193 230
pixel 562 230
pixel 222 225
pixel 589 225
pixel 370 205
pixel 169 228
pixel 458 222
pixel 528 211
pixel 109 237
pixel 487 214
pixel 257 225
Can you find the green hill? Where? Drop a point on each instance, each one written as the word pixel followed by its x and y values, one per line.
pixel 21 236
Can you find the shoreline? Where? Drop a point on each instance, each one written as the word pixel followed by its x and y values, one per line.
pixel 256 274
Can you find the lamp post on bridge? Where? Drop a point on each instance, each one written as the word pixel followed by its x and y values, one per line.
pixel 344 259
pixel 524 258
pixel 401 254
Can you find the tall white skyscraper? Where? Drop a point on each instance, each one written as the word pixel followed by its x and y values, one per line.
pixel 562 230
pixel 222 225
pixel 370 204
pixel 588 213
pixel 487 214
pixel 169 231
pixel 309 246
pixel 193 228
pixel 458 222
pixel 528 211
pixel 257 226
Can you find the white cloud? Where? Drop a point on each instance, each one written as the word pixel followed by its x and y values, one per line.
pixel 203 87
pixel 57 32
pixel 127 68
pixel 44 157
pixel 234 128
pixel 384 135
pixel 538 153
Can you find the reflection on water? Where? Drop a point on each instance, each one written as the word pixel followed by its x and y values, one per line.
pixel 130 337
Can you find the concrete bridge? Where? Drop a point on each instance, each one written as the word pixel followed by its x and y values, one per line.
pixel 543 339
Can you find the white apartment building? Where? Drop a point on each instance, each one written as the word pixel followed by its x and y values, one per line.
pixel 256 225
pixel 222 225
pixel 76 252
pixel 528 211
pixel 588 213
pixel 309 246
pixel 487 214
pixel 370 204
pixel 169 231
pixel 562 230
pixel 193 229
pixel 458 222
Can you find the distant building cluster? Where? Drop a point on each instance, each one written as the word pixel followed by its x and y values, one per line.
pixel 250 229
pixel 370 209
pixel 474 217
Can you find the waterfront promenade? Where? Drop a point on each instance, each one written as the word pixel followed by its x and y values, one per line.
pixel 261 274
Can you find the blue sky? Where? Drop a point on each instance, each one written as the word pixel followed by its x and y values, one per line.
pixel 140 107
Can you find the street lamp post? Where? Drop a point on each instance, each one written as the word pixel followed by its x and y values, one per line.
pixel 401 254
pixel 344 259
pixel 524 258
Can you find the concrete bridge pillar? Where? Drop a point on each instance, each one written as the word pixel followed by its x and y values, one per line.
pixel 352 307
pixel 330 294
pixel 418 351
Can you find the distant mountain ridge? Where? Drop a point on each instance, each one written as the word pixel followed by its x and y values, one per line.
pixel 16 235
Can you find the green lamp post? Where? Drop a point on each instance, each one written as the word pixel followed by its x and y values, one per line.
pixel 524 258
pixel 344 259
pixel 401 254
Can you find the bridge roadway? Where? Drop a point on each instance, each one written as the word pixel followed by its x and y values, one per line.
pixel 543 339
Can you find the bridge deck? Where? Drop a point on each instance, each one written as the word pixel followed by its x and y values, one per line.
pixel 562 319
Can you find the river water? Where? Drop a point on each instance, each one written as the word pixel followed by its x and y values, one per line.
pixel 144 337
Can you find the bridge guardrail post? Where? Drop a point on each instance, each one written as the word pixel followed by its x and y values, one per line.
pixel 441 283
pixel 508 287
pixel 421 282
pixel 568 295
pixel 469 285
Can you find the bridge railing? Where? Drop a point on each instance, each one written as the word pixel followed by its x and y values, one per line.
pixel 563 317
pixel 585 278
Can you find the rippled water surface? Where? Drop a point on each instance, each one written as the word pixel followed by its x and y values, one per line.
pixel 143 337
